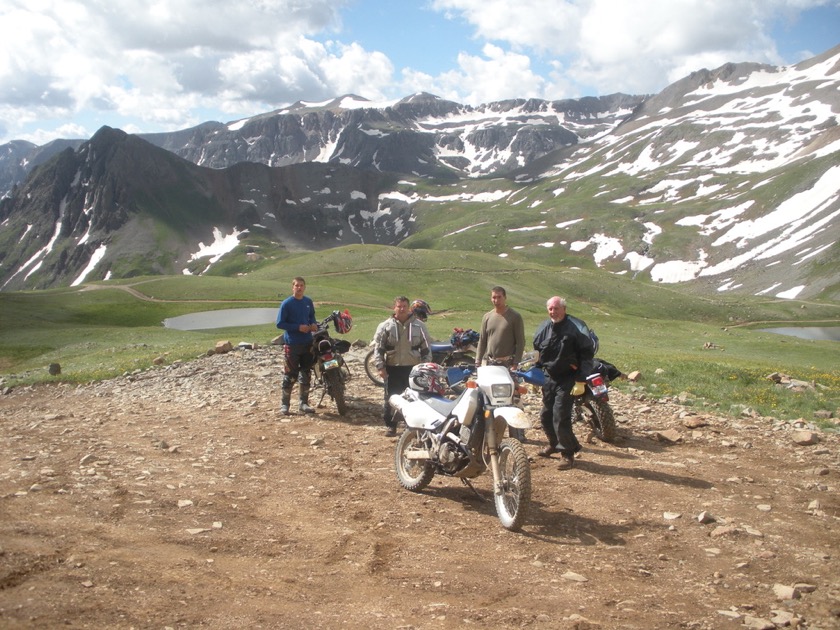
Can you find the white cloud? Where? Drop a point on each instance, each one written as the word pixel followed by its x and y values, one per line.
pixel 157 62
pixel 69 66
pixel 634 47
pixel 542 25
pixel 497 75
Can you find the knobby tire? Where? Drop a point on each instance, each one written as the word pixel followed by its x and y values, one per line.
pixel 413 474
pixel 371 371
pixel 602 420
pixel 335 388
pixel 513 503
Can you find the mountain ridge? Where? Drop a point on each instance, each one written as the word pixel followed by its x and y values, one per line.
pixel 704 180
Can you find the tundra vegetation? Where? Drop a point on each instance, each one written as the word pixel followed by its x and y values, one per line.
pixel 707 350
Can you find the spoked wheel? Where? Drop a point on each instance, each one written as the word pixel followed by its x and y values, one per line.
pixel 372 372
pixel 335 388
pixel 514 500
pixel 413 474
pixel 458 358
pixel 599 415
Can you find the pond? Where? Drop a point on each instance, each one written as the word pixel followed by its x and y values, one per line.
pixel 815 333
pixel 225 318
pixel 236 317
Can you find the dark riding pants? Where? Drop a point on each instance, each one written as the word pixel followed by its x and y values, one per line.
pixel 299 361
pixel 396 380
pixel 556 415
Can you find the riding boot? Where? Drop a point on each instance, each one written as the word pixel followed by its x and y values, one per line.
pixel 304 393
pixel 286 400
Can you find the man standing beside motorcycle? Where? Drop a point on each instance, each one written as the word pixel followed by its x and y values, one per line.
pixel 296 317
pixel 566 354
pixel 502 334
pixel 401 342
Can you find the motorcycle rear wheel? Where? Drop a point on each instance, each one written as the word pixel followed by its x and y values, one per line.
pixel 456 359
pixel 599 416
pixel 371 371
pixel 335 388
pixel 515 499
pixel 413 474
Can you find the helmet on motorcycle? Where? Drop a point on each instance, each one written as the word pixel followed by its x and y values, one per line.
pixel 428 378
pixel 421 309
pixel 343 322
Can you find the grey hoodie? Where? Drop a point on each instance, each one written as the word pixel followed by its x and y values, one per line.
pixel 401 344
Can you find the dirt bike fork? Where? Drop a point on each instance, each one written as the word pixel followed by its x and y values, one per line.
pixel 493 447
pixel 321 383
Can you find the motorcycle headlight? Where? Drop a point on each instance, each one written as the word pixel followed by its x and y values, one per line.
pixel 501 390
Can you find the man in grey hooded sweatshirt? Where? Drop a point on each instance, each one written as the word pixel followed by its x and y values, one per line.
pixel 401 342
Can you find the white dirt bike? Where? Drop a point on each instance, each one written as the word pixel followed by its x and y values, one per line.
pixel 464 437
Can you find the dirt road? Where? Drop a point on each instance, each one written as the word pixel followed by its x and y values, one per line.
pixel 178 498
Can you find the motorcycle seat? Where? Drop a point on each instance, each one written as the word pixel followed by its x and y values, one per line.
pixel 439 403
pixel 441 348
pixel 447 407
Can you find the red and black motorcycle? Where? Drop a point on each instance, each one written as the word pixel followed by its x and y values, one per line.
pixel 330 369
pixel 593 407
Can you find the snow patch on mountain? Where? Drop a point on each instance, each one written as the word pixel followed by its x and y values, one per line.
pixel 605 247
pixel 221 245
pixel 464 229
pixel 528 228
pixel 98 255
pixel 37 259
pixel 482 197
pixel 675 271
pixel 799 211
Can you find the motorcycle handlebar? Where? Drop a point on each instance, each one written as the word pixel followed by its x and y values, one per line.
pixel 325 323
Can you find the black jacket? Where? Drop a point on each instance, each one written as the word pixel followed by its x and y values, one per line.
pixel 565 351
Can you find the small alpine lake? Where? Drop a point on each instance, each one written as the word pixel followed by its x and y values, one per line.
pixel 224 318
pixel 814 333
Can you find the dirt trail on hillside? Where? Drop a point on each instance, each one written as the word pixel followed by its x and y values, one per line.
pixel 179 498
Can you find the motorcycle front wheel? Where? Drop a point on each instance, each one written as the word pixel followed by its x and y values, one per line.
pixel 413 474
pixel 514 500
pixel 335 388
pixel 371 371
pixel 599 416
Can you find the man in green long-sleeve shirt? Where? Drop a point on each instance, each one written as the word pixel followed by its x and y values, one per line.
pixel 502 334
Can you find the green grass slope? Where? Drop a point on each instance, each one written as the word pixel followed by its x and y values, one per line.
pixel 115 327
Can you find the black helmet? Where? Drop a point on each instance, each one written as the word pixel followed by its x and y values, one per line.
pixel 421 309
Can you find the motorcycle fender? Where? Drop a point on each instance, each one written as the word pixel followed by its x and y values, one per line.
pixel 514 416
pixel 417 414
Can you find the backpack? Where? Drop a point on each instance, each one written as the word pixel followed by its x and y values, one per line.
pixel 586 330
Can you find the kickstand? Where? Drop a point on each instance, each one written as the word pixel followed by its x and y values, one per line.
pixel 471 487
pixel 321 399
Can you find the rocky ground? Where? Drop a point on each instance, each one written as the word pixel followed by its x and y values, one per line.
pixel 179 498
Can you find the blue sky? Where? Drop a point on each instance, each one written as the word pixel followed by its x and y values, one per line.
pixel 67 67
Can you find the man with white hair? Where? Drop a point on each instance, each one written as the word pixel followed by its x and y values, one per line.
pixel 566 355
